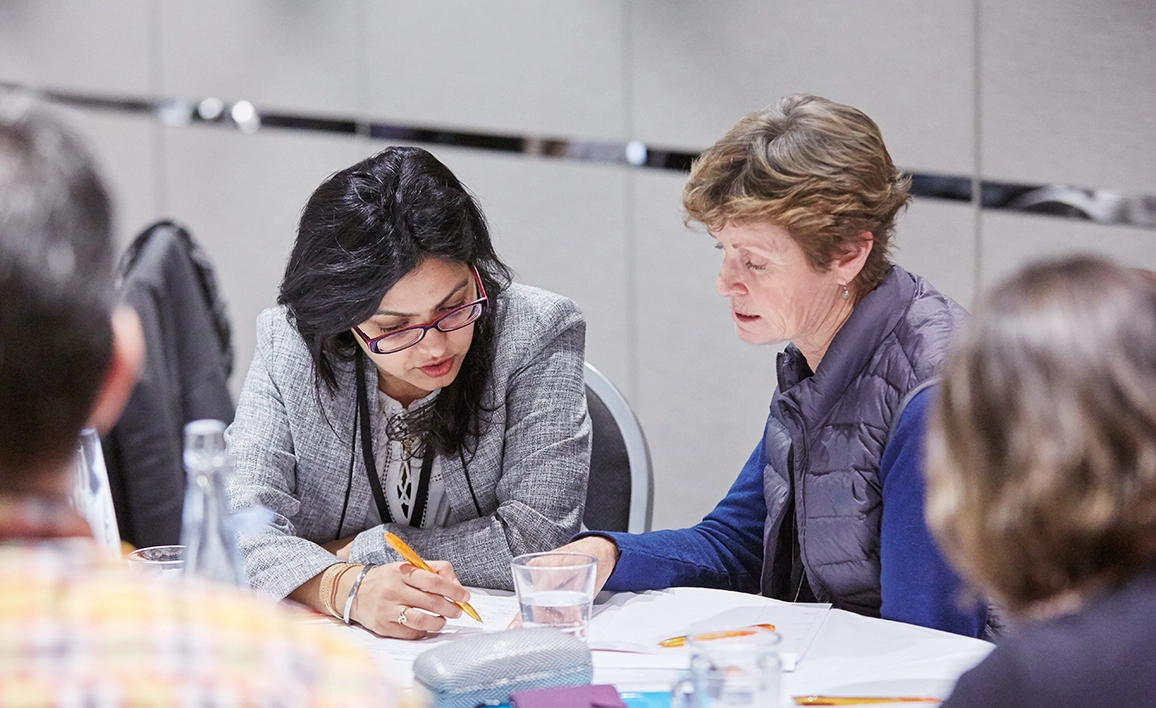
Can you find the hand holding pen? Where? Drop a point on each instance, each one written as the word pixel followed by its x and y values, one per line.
pixel 404 601
pixel 416 561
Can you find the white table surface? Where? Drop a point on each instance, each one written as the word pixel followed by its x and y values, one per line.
pixel 850 655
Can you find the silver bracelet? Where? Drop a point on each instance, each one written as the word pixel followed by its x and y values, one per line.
pixel 353 591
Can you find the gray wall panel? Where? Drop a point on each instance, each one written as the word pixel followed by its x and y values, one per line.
pixel 703 393
pixel 698 67
pixel 125 148
pixel 507 65
pixel 1012 240
pixel 240 195
pixel 275 53
pixel 1067 92
pixel 561 227
pixel 76 44
pixel 937 240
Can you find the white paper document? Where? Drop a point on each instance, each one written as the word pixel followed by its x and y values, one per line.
pixel 636 623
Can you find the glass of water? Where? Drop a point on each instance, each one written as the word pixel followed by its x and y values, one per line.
pixel 555 590
pixel 731 667
pixel 167 562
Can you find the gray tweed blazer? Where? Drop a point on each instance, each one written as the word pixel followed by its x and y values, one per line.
pixel 528 471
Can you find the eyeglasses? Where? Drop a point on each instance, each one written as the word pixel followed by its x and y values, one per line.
pixel 456 318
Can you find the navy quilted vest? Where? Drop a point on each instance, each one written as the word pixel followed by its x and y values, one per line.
pixel 828 430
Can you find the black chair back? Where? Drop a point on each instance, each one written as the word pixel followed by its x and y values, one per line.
pixel 608 496
pixel 620 492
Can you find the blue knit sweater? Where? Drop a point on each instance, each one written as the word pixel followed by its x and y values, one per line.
pixel 725 549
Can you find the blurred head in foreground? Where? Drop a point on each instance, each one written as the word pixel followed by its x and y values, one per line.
pixel 1042 453
pixel 67 359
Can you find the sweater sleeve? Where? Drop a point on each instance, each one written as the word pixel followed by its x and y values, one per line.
pixel 918 586
pixel 724 550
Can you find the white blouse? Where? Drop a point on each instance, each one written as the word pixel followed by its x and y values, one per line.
pixel 399 480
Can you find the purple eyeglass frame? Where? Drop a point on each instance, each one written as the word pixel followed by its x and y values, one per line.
pixel 371 342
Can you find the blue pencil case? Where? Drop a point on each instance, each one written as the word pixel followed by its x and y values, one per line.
pixel 486 668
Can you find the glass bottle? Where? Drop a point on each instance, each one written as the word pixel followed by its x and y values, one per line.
pixel 91 495
pixel 207 529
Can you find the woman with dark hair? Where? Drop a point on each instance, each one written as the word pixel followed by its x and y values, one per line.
pixel 406 385
pixel 1042 483
pixel 801 200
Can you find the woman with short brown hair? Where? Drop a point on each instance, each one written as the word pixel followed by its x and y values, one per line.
pixel 801 199
pixel 1042 483
pixel 816 169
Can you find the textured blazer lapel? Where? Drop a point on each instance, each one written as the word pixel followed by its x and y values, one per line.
pixel 486 462
pixel 461 503
pixel 360 497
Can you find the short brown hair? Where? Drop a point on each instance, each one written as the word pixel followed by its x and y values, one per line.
pixel 1042 449
pixel 56 293
pixel 811 166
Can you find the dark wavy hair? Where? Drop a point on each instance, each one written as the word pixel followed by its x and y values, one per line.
pixel 364 229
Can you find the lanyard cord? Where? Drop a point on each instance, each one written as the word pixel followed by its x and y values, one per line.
pixel 362 416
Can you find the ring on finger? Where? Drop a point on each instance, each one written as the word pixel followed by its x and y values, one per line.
pixel 401 619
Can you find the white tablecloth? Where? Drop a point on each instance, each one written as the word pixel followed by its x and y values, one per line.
pixel 850 655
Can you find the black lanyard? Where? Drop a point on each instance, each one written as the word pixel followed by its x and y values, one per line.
pixel 418 516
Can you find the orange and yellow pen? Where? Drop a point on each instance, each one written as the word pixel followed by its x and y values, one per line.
pixel 680 641
pixel 415 560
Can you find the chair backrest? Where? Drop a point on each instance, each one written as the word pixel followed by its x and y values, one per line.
pixel 167 279
pixel 621 492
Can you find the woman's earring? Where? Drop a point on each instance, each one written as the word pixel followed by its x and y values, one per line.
pixel 846 295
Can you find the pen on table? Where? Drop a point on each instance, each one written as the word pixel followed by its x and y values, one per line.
pixel 415 560
pixel 680 641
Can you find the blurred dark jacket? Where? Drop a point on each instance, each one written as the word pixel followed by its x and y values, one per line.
pixel 1103 654
pixel 169 281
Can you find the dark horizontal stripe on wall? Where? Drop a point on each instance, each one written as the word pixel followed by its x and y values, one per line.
pixel 324 125
pixel 1096 205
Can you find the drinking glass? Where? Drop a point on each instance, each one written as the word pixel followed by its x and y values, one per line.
pixel 168 562
pixel 731 667
pixel 91 494
pixel 555 590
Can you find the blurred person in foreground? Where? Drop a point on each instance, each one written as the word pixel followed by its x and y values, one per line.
pixel 801 199
pixel 1042 483
pixel 78 629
